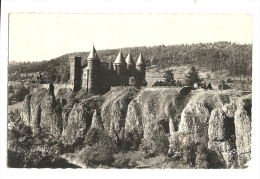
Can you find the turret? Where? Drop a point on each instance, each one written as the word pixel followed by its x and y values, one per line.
pixel 130 62
pixel 140 66
pixel 92 72
pixel 75 72
pixel 120 64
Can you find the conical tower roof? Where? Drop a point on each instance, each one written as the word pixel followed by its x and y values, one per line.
pixel 120 59
pixel 129 60
pixel 140 60
pixel 93 54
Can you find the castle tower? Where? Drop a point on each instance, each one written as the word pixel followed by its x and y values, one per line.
pixel 75 72
pixel 92 72
pixel 111 68
pixel 140 66
pixel 120 64
pixel 130 63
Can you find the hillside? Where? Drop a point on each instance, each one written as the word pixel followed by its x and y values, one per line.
pixel 235 58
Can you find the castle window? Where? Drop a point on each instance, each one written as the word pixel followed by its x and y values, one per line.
pixel 72 84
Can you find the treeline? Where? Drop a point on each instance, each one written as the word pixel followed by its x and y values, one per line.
pixel 216 56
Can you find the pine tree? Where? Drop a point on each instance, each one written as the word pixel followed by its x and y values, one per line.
pixel 192 77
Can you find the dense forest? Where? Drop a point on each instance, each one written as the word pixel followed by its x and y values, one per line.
pixel 236 58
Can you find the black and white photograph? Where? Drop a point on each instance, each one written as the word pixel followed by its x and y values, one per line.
pixel 129 91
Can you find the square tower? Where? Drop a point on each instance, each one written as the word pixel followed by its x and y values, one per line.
pixel 75 72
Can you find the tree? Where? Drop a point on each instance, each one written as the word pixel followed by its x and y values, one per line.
pixel 156 144
pixel 26 149
pixel 10 89
pixel 169 76
pixel 192 77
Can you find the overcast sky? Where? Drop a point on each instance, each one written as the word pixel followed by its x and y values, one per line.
pixel 35 37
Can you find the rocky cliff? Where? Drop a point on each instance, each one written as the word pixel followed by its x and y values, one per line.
pixel 207 118
pixel 41 110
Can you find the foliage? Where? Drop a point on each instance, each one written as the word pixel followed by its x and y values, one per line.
pixel 92 136
pixel 17 92
pixel 237 58
pixel 156 144
pixel 169 76
pixel 146 147
pixel 202 157
pixel 100 150
pixel 26 149
pixel 192 77
pixel 188 154
pixel 131 141
pixel 169 79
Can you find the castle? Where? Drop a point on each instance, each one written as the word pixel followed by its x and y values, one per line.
pixel 98 77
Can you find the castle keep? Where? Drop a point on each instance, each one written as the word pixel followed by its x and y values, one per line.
pixel 97 77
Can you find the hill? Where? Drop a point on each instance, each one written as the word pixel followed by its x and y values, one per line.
pixel 236 58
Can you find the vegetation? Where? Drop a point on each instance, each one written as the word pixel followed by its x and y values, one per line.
pixel 156 144
pixel 16 92
pixel 169 77
pixel 192 77
pixel 216 56
pixel 26 149
pixel 99 150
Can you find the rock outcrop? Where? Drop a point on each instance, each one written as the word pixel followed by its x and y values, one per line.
pixel 217 128
pixel 207 118
pixel 112 113
pixel 77 118
pixel 242 120
pixel 151 107
pixel 41 110
pixel 78 122
pixel 219 135
pixel 26 110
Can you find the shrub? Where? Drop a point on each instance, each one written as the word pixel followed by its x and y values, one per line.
pixel 92 136
pixel 202 157
pixel 156 144
pixel 101 151
pixel 146 147
pixel 30 150
pixel 188 154
pixel 131 141
pixel 169 77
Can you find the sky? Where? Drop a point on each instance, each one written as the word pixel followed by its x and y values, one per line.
pixel 36 37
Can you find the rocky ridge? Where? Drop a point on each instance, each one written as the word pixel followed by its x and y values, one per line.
pixel 206 118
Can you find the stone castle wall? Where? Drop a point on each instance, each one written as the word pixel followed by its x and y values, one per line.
pixel 57 87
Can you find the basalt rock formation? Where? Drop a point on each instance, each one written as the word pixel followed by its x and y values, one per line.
pixel 206 118
pixel 111 115
pixel 41 110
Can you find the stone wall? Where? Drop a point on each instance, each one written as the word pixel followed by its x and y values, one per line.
pixel 34 87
